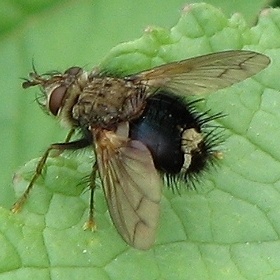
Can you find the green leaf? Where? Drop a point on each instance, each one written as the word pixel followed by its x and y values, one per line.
pixel 228 229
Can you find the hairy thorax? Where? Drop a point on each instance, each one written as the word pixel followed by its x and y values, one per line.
pixel 104 102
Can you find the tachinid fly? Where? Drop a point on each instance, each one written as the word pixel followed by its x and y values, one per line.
pixel 139 128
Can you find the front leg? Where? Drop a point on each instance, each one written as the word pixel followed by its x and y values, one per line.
pixel 59 147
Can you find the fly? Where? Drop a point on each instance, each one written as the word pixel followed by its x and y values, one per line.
pixel 139 128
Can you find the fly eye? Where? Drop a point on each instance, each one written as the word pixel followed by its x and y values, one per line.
pixel 56 98
pixel 73 71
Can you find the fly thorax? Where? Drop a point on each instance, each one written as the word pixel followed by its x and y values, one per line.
pixel 104 102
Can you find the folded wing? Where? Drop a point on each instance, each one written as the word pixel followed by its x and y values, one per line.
pixel 132 187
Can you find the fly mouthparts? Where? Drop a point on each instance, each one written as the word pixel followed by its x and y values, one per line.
pixel 35 80
pixel 27 84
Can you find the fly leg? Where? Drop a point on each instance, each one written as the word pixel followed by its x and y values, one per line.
pixel 90 224
pixel 59 148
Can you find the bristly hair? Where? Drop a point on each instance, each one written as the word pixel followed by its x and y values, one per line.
pixel 40 98
pixel 209 151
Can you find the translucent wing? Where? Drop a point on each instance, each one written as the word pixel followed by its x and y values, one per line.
pixel 132 187
pixel 205 73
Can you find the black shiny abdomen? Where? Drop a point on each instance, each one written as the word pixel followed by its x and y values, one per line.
pixel 160 128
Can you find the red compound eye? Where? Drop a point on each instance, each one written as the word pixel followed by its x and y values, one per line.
pixel 56 98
